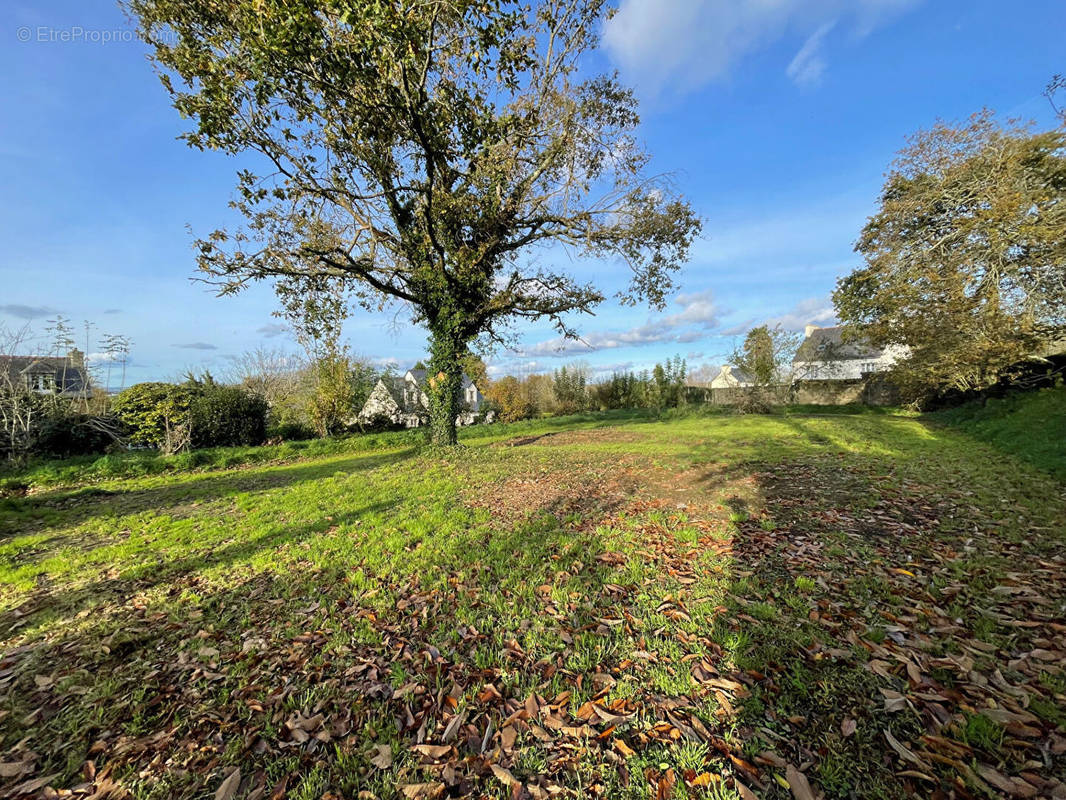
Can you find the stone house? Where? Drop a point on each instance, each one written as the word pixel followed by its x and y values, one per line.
pixel 66 376
pixel 403 401
pixel 825 356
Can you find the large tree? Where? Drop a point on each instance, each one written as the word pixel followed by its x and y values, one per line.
pixel 966 257
pixel 416 152
pixel 765 358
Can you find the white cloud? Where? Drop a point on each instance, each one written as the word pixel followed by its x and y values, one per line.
pixel 812 311
pixel 697 316
pixel 684 44
pixel 807 66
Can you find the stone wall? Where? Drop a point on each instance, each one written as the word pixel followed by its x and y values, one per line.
pixel 874 391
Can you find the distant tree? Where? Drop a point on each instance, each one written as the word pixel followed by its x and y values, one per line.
pixel 509 399
pixel 622 390
pixel 765 358
pixel 418 151
pixel 569 389
pixel 61 336
pixel 703 375
pixel 333 403
pixel 271 373
pixel 22 410
pixel 540 396
pixel 966 257
pixel 116 349
pixel 757 356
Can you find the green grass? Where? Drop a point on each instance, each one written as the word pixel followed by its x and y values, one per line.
pixel 1029 425
pixel 688 602
pixel 80 470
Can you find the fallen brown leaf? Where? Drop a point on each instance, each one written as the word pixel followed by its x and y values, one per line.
pixel 382 759
pixel 228 787
pixel 797 783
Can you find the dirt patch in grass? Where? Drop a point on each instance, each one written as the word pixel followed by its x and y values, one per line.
pixel 593 486
pixel 586 493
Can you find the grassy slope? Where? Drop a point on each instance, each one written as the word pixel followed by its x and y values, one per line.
pixel 1029 425
pixel 606 606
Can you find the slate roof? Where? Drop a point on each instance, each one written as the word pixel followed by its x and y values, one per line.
pixel 70 378
pixel 395 386
pixel 827 344
pixel 741 375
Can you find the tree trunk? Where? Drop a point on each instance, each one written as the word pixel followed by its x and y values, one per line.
pixel 444 385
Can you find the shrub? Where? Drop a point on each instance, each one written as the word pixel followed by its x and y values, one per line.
pixel 155 414
pixel 290 431
pixel 380 423
pixel 225 416
pixel 75 435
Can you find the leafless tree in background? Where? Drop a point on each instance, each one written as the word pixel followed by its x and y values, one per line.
pixel 20 406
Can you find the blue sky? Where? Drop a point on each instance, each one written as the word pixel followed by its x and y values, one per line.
pixel 777 119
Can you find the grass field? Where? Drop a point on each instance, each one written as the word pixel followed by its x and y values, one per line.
pixel 1031 426
pixel 708 606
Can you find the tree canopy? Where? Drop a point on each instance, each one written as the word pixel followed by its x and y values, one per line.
pixel 765 359
pixel 966 257
pixel 416 152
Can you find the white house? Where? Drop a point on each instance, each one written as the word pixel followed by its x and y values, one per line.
pixel 403 401
pixel 730 377
pixel 824 355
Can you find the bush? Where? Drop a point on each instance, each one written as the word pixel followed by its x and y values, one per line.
pixel 75 435
pixel 380 423
pixel 290 431
pixel 225 416
pixel 196 414
pixel 155 414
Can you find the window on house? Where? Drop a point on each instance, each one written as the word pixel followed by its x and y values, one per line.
pixel 42 382
pixel 869 366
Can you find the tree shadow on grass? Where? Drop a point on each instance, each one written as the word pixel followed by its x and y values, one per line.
pixel 303 674
pixel 864 605
pixel 70 508
pixel 383 658
pixel 66 602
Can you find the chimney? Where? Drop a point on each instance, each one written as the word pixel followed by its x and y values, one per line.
pixel 76 358
pixel 809 330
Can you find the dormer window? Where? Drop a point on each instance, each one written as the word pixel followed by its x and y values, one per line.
pixel 42 382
